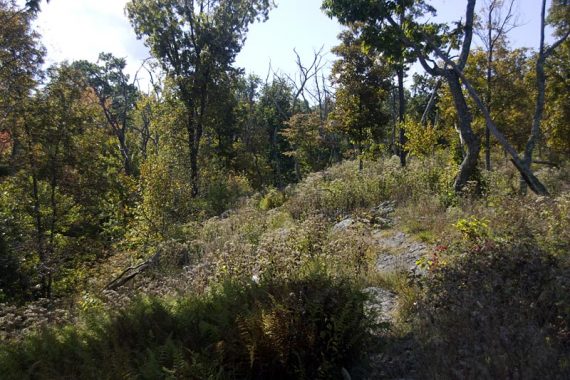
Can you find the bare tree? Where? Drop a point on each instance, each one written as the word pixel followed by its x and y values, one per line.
pixel 500 18
pixel 300 83
pixel 305 74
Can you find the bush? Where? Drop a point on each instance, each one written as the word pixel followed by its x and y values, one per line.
pixel 222 191
pixel 274 198
pixel 307 328
pixel 497 313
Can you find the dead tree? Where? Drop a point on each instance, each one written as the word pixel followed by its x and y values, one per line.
pixel 497 26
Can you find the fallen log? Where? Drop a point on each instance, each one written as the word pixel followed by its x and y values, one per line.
pixel 131 272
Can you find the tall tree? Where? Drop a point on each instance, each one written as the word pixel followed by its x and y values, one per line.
pixel 385 19
pixel 425 39
pixel 513 92
pixel 363 85
pixel 276 108
pixel 21 58
pixel 499 19
pixel 383 36
pixel 560 18
pixel 557 108
pixel 196 41
pixel 116 97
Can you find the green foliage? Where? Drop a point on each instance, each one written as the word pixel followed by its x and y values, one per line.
pixel 363 86
pixel 422 140
pixel 557 113
pixel 196 46
pixel 274 198
pixel 305 133
pixel 222 191
pixel 497 312
pixel 63 191
pixel 307 328
pixel 513 93
pixel 473 229
pixel 116 97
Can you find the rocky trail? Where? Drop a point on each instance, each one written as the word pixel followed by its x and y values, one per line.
pixel 397 252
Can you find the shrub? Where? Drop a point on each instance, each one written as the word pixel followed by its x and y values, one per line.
pixel 339 190
pixel 496 313
pixel 422 139
pixel 222 191
pixel 274 198
pixel 307 328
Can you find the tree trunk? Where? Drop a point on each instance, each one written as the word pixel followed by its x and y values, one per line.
pixel 393 144
pixel 431 103
pixel 457 68
pixel 468 167
pixel 536 186
pixel 37 216
pixel 127 165
pixel 402 115
pixel 535 131
pixel 488 100
pixel 193 150
pixel 539 108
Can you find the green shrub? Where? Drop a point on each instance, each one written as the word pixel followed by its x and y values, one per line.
pixel 274 198
pixel 496 313
pixel 222 191
pixel 339 190
pixel 307 328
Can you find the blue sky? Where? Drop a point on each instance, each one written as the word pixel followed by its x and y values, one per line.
pixel 80 29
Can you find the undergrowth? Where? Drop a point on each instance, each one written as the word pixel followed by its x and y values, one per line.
pixel 493 302
pixel 308 328
pixel 496 312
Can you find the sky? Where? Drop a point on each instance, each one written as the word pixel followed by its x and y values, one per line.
pixel 81 29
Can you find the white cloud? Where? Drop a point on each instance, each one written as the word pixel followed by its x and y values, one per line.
pixel 81 29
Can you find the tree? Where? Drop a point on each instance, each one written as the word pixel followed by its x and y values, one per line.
pixel 424 97
pixel 116 97
pixel 34 5
pixel 385 18
pixel 513 91
pixel 363 85
pixel 384 37
pixel 303 133
pixel 21 58
pixel 497 26
pixel 426 39
pixel 275 106
pixel 557 105
pixel 300 84
pixel 54 190
pixel 560 17
pixel 196 42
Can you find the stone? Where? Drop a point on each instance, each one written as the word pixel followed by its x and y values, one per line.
pixel 343 225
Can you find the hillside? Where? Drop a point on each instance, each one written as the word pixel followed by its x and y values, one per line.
pixel 411 283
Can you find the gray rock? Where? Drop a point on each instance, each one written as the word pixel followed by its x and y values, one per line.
pixel 382 303
pixel 401 253
pixel 343 225
pixel 384 209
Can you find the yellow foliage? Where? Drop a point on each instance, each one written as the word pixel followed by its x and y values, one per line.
pixel 422 140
